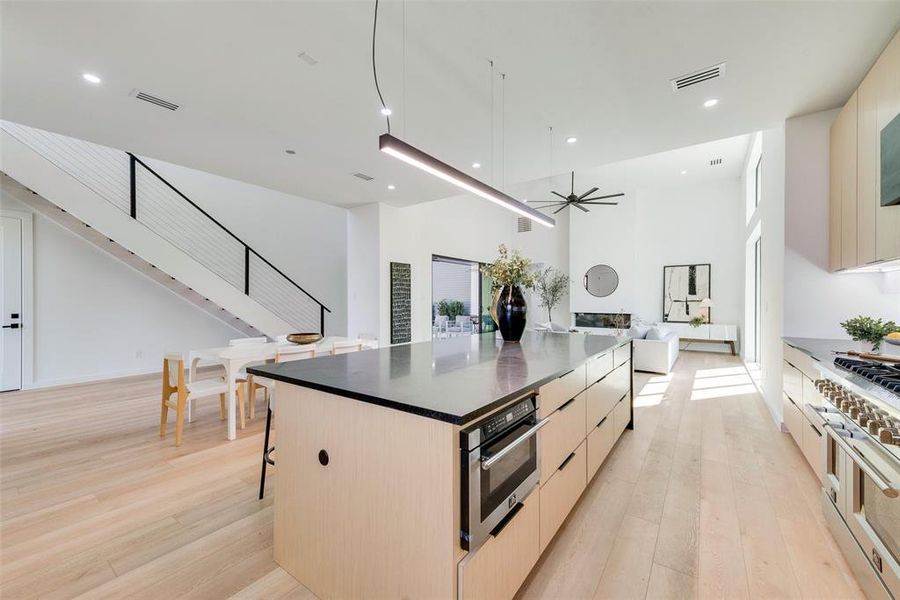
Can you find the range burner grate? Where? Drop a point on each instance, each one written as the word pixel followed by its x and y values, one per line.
pixel 884 375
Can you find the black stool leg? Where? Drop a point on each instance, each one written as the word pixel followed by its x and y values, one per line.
pixel 265 457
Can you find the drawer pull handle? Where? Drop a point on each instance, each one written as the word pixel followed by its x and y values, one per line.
pixel 602 421
pixel 565 462
pixel 566 404
pixel 505 520
pixel 566 373
pixel 818 433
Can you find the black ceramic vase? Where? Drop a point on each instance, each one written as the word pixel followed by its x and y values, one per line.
pixel 511 311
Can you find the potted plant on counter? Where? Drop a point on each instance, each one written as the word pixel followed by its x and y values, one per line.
pixel 869 329
pixel 510 274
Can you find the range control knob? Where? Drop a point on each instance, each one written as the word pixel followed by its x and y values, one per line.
pixel 889 435
pixel 874 425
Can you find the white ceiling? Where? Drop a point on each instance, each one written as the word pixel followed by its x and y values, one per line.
pixel 593 69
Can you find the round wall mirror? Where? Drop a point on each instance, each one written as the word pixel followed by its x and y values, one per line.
pixel 601 280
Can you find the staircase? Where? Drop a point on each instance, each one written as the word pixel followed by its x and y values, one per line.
pixel 117 202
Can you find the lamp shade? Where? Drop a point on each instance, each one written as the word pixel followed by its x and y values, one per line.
pixel 706 303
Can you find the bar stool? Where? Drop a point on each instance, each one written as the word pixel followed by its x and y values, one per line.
pixel 285 354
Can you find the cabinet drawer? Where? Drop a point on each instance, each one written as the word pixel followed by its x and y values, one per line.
pixel 599 368
pixel 561 492
pixel 603 395
pixel 802 361
pixel 600 441
pixel 621 354
pixel 561 435
pixel 793 420
pixel 561 390
pixel 813 446
pixel 621 415
pixel 792 382
pixel 501 564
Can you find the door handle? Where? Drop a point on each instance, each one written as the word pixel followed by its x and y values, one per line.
pixel 11 326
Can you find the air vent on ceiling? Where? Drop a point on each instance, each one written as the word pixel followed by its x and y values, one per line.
pixel 679 83
pixel 524 224
pixel 363 176
pixel 715 162
pixel 153 100
pixel 309 60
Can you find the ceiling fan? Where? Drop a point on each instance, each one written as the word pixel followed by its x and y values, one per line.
pixel 577 201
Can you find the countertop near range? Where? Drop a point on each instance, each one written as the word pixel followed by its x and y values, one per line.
pixel 453 380
pixel 824 350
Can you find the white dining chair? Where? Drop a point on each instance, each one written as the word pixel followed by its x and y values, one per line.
pixel 456 328
pixel 173 382
pixel 441 322
pixel 248 341
pixel 285 354
pixel 347 347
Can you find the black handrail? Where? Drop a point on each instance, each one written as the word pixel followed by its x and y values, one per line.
pixel 133 160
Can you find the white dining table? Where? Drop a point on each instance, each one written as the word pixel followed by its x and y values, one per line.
pixel 235 358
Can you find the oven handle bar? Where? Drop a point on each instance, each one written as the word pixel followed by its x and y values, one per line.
pixel 883 484
pixel 487 463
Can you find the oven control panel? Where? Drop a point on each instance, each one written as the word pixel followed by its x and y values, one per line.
pixel 504 419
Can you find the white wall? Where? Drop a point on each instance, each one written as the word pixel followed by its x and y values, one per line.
pixel 654 226
pixel 95 317
pixel 306 239
pixel 816 301
pixel 363 270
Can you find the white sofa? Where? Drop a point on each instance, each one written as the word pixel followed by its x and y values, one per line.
pixel 655 356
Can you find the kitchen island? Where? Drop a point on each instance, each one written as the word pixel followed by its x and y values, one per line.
pixel 369 491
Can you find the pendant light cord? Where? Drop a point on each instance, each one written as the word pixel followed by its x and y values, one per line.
pixel 375 69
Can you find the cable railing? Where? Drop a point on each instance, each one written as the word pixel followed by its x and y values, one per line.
pixel 132 186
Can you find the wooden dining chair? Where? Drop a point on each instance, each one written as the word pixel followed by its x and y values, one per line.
pixel 285 354
pixel 173 383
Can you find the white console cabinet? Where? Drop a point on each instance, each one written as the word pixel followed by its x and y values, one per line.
pixel 710 332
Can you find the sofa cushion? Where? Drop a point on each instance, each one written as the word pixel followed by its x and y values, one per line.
pixel 638 332
pixel 657 333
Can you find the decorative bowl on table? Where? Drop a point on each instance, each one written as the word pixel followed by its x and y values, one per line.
pixel 892 340
pixel 304 338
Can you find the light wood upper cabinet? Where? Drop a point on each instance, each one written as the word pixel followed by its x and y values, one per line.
pixel 861 231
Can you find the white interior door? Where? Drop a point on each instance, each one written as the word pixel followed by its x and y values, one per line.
pixel 11 303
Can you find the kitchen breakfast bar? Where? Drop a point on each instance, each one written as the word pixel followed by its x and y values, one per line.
pixel 439 469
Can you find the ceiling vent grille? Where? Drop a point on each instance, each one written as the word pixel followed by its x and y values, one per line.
pixel 154 100
pixel 715 162
pixel 524 224
pixel 713 72
pixel 363 176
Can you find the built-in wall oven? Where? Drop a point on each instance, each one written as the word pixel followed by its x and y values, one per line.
pixel 861 489
pixel 500 467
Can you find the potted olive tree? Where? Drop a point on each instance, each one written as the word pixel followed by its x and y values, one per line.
pixel 551 286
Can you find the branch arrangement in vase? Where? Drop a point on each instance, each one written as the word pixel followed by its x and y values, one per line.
pixel 869 329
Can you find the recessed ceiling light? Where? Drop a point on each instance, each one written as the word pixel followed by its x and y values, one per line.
pixel 476 165
pixel 386 111
pixel 392 187
pixel 571 139
pixel 710 103
pixel 90 77
pixel 684 172
pixel 290 152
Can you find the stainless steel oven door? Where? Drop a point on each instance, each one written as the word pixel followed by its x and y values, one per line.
pixel 501 473
pixel 872 509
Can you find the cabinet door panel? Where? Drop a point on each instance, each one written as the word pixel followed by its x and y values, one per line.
pixel 603 395
pixel 560 494
pixel 561 390
pixel 559 437
pixel 599 443
pixel 847 120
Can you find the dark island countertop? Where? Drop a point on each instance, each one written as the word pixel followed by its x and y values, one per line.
pixel 453 380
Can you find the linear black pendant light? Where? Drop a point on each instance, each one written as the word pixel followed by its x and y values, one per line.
pixel 422 160
pixel 411 155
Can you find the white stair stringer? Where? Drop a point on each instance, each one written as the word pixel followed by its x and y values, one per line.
pixel 70 203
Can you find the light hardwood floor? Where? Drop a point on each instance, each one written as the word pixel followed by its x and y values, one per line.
pixel 705 498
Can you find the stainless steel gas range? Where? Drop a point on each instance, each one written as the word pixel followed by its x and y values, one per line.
pixel 861 487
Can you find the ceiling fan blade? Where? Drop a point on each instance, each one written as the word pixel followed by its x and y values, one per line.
pixel 580 207
pixel 607 196
pixel 573 183
pixel 560 208
pixel 588 193
pixel 601 203
pixel 560 195
pixel 549 204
